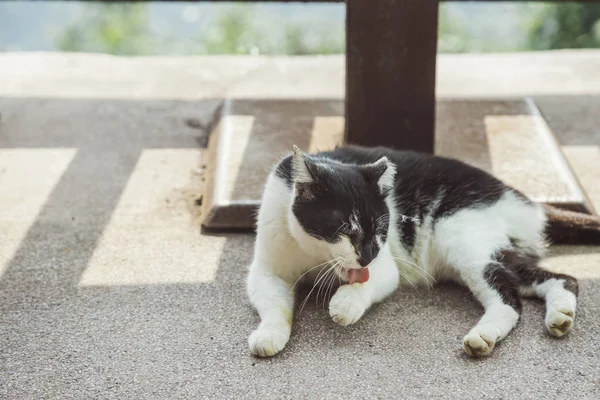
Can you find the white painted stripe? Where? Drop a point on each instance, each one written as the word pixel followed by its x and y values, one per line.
pixel 230 127
pixel 27 177
pixel 519 155
pixel 327 132
pixel 585 161
pixel 153 236
pixel 579 261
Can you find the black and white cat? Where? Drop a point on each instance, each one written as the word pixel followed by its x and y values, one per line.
pixel 376 219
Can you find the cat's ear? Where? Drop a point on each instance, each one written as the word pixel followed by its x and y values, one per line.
pixel 382 172
pixel 303 168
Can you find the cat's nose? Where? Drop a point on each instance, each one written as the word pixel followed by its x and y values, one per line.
pixel 365 258
pixel 367 255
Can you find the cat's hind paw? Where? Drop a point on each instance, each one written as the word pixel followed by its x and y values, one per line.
pixel 348 304
pixel 268 341
pixel 559 322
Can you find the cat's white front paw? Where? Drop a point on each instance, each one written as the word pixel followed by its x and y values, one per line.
pixel 559 322
pixel 267 341
pixel 348 304
pixel 480 341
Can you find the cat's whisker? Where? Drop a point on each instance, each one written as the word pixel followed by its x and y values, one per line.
pixel 312 290
pixel 339 269
pixel 408 280
pixel 420 272
pixel 312 269
pixel 325 266
pixel 327 294
pixel 337 265
pixel 315 284
pixel 320 278
pixel 329 284
pixel 416 268
pixel 323 283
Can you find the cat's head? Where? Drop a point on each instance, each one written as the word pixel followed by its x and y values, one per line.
pixel 343 206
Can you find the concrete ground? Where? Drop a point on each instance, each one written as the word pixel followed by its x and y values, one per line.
pixel 108 289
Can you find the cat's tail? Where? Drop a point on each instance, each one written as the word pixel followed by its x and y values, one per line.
pixel 568 227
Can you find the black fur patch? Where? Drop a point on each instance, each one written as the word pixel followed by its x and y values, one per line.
pixel 529 272
pixel 407 233
pixel 568 227
pixel 284 171
pixel 505 282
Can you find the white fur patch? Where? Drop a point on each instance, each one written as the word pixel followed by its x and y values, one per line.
pixel 354 222
pixel 344 249
pixel 499 319
pixel 561 304
pixel 386 181
pixel 348 304
pixel 300 170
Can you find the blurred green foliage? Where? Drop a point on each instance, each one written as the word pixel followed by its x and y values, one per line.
pixel 124 29
pixel 109 28
pixel 231 33
pixel 453 35
pixel 567 25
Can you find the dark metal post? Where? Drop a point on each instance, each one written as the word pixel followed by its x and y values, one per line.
pixel 390 73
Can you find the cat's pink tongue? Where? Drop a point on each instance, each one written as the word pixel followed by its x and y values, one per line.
pixel 359 275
